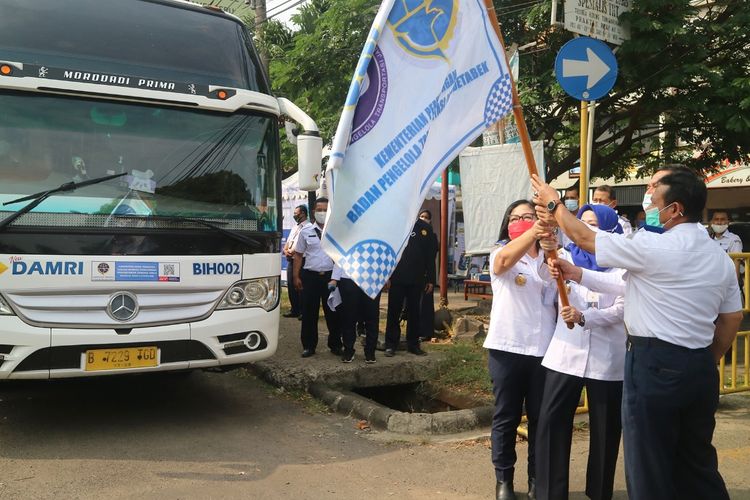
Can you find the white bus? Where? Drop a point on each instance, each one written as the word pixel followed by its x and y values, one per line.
pixel 140 217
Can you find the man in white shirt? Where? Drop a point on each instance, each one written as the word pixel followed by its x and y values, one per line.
pixel 605 195
pixel 295 298
pixel 682 312
pixel 312 280
pixel 728 241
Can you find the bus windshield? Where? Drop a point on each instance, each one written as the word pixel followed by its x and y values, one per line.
pixel 178 162
pixel 156 40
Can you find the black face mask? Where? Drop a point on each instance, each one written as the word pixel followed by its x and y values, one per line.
pixel 298 219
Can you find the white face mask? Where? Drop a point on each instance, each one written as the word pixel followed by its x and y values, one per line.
pixel 719 228
pixel 320 217
pixel 646 201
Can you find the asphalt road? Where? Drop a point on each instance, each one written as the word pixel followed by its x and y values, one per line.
pixel 210 435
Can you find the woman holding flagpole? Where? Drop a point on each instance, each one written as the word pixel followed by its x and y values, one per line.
pixel 521 325
pixel 592 355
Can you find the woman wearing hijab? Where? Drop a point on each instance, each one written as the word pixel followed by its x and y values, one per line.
pixel 591 355
pixel 521 326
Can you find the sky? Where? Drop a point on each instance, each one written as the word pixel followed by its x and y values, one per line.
pixel 281 10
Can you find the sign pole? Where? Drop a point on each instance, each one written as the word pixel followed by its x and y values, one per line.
pixel 589 143
pixel 523 134
pixel 444 239
pixel 583 178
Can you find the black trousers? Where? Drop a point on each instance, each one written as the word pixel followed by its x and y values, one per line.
pixel 295 297
pixel 412 292
pixel 314 292
pixel 516 379
pixel 562 393
pixel 357 306
pixel 427 316
pixel 670 396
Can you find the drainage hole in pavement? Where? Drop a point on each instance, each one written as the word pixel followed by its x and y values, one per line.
pixel 410 398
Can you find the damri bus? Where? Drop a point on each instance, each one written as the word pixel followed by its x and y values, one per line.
pixel 139 189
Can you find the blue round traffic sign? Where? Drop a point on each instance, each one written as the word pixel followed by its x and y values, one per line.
pixel 586 68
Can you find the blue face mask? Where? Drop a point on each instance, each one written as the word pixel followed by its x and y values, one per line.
pixel 571 205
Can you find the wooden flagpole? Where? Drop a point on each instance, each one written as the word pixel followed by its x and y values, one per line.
pixel 523 134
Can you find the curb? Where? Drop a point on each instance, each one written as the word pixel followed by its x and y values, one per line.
pixel 383 418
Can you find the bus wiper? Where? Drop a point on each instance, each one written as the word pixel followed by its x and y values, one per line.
pixel 43 195
pixel 216 226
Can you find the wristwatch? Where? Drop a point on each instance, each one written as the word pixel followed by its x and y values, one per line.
pixel 582 323
pixel 552 205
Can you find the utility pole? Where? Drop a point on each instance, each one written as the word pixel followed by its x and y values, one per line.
pixel 260 26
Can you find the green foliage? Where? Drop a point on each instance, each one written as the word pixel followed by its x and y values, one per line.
pixel 684 82
pixel 683 88
pixel 314 65
pixel 464 369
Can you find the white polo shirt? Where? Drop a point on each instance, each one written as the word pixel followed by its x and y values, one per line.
pixel 729 242
pixel 596 350
pixel 308 244
pixel 523 308
pixel 677 282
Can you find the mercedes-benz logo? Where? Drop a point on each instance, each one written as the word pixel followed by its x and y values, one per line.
pixel 123 306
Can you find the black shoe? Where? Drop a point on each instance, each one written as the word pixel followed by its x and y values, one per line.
pixel 504 491
pixel 291 314
pixel 370 358
pixel 299 317
pixel 532 489
pixel 389 353
pixel 337 351
pixel 348 356
pixel 417 351
pixel 307 353
pixel 425 339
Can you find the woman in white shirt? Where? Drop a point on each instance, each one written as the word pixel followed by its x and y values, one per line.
pixel 592 354
pixel 521 325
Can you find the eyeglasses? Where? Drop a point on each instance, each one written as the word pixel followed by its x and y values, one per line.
pixel 524 217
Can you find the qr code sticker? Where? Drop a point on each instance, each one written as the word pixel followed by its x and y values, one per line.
pixel 169 270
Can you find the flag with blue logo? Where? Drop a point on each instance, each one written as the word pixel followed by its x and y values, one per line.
pixel 432 76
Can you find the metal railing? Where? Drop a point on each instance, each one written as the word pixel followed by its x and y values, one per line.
pixel 736 376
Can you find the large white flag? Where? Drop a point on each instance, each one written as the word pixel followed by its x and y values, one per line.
pixel 432 76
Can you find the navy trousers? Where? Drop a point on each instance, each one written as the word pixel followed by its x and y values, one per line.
pixel 562 394
pixel 670 396
pixel 314 292
pixel 412 293
pixel 516 379
pixel 357 306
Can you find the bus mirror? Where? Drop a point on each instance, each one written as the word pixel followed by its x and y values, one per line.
pixel 309 156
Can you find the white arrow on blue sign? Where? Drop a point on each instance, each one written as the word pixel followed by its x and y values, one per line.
pixel 586 68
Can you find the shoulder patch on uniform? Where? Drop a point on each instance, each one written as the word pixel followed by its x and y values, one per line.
pixel 424 232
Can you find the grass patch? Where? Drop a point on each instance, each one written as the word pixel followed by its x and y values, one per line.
pixel 464 370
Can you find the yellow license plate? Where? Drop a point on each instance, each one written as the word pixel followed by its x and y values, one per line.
pixel 118 359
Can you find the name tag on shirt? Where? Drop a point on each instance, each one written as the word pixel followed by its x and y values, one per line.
pixel 592 300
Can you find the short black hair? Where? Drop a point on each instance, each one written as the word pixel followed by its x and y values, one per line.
pixel 425 211
pixel 605 188
pixel 721 211
pixel 675 167
pixel 574 187
pixel 683 186
pixel 303 209
pixel 504 236
pixel 321 200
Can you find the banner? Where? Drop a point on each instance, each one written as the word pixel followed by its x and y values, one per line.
pixel 432 76
pixel 486 193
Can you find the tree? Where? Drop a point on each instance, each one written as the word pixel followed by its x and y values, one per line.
pixel 313 66
pixel 682 94
pixel 683 87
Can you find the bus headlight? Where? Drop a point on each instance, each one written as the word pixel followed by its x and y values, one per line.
pixel 258 292
pixel 5 309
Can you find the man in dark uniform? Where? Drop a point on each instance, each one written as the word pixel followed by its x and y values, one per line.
pixel 427 307
pixel 414 275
